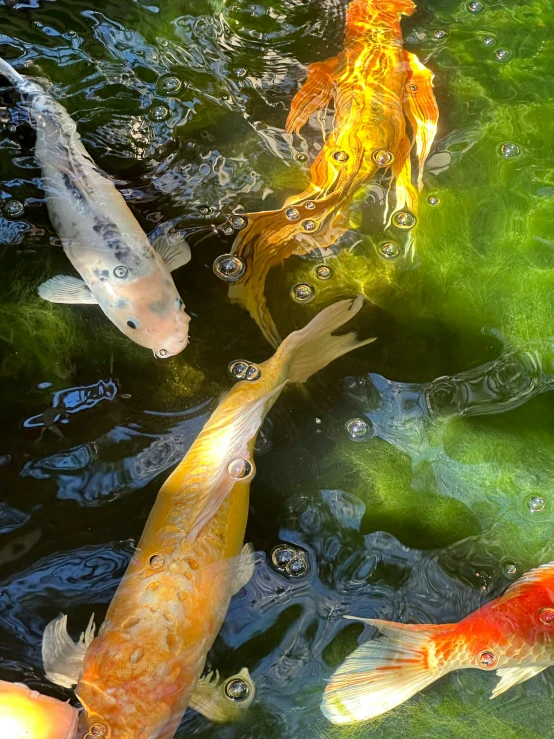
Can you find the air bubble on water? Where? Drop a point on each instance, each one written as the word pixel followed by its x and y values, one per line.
pixel 341 156
pixel 433 200
pixel 169 85
pixel 503 55
pixel 159 113
pixel 229 267
pixel 240 72
pixel 238 222
pixel 404 219
pixel 487 659
pixel 440 33
pixel 227 229
pixel 383 158
pixel 13 208
pixel 309 205
pixel 298 566
pixel 239 469
pixel 301 157
pixel 475 6
pixel 293 214
pixel 536 504
pixel 389 250
pixel 156 561
pixel 358 429
pixel 253 373
pixel 303 292
pixel 238 369
pixel 205 210
pixel 546 615
pixel 509 150
pixel 323 272
pixel 489 40
pixel 282 555
pixel 237 689
pixel 309 225
pixel 411 87
pixel 510 569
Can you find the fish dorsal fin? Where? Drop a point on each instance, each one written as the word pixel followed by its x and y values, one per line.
pixel 211 700
pixel 544 572
pixel 510 676
pixel 66 289
pixel 173 249
pixel 245 568
pixel 61 656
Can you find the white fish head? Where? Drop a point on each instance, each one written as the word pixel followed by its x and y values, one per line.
pixel 147 309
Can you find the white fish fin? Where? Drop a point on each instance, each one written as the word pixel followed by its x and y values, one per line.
pixel 61 656
pixel 220 484
pixel 211 700
pixel 245 568
pixel 173 249
pixel 66 289
pixel 383 673
pixel 510 676
pixel 544 572
pixel 313 347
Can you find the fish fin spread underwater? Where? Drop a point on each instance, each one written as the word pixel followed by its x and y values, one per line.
pixel 513 635
pixel 120 270
pixel 138 676
pixel 377 88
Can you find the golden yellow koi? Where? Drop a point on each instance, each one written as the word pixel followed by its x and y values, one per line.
pixel 136 679
pixel 378 87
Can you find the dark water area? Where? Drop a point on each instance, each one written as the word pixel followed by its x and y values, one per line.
pixel 440 494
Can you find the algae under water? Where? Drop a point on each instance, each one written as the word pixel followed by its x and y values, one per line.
pixel 449 494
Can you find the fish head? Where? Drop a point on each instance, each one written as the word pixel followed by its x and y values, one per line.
pixel 25 712
pixel 148 309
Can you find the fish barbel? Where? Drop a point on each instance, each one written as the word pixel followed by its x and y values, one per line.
pixel 121 271
pixel 378 87
pixel 513 635
pixel 26 714
pixel 141 672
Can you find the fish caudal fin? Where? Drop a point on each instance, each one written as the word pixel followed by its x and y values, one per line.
pixel 213 699
pixel 314 346
pixel 61 656
pixel 383 673
pixel 315 94
pixel 510 676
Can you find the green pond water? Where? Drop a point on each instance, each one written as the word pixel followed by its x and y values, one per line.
pixel 448 499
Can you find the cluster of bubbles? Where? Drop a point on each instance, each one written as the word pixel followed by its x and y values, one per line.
pixel 242 369
pixel 290 560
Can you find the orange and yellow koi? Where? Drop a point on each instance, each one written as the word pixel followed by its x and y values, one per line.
pixel 137 677
pixel 378 87
pixel 513 635
pixel 25 713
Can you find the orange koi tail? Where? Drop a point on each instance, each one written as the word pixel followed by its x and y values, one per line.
pixel 385 672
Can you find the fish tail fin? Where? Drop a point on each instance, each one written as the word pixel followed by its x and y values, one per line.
pixel 315 94
pixel 384 672
pixel 314 346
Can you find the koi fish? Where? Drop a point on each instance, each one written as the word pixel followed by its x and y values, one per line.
pixel 513 635
pixel 27 713
pixel 124 274
pixel 136 679
pixel 377 88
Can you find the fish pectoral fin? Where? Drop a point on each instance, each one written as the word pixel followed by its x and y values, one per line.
pixel 66 289
pixel 212 700
pixel 61 656
pixel 510 676
pixel 315 94
pixel 173 249
pixel 245 568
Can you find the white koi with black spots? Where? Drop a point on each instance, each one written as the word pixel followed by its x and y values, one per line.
pixel 124 274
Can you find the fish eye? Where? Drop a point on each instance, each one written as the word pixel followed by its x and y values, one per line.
pixel 121 272
pixel 132 323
